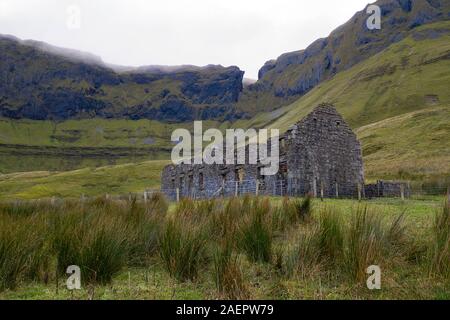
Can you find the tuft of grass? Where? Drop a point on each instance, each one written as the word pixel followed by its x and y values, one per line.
pixel 255 234
pixel 330 235
pixel 304 208
pixel 285 215
pixel 364 243
pixel 182 248
pixel 302 258
pixel 22 253
pixel 228 276
pixel 440 248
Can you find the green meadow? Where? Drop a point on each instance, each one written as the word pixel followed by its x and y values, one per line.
pixel 248 248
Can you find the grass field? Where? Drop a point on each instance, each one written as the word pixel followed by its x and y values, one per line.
pixel 113 180
pixel 261 249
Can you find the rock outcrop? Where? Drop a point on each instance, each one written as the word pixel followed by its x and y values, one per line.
pixel 346 46
pixel 38 81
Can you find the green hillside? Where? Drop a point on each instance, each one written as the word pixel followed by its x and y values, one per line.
pixel 119 179
pixel 410 75
pixel 292 75
pixel 398 103
pixel 32 145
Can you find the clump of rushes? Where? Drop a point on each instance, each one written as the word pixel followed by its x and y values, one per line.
pixel 365 242
pixel 21 250
pixel 330 235
pixel 228 276
pixel 182 248
pixel 96 240
pixel 303 257
pixel 225 219
pixel 284 215
pixel 440 247
pixel 255 237
pixel 304 208
pixel 158 203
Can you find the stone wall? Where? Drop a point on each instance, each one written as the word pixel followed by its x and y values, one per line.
pixel 387 189
pixel 318 153
pixel 324 153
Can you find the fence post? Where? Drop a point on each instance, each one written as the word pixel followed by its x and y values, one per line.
pixel 359 192
pixel 321 191
pixel 145 196
pixel 236 186
pixel 53 201
pixel 402 192
pixel 178 194
pixel 337 190
pixel 257 188
pixel 315 188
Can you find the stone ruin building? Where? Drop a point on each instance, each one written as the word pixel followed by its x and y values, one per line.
pixel 319 155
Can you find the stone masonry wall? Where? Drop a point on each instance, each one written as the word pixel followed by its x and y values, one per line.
pixel 319 152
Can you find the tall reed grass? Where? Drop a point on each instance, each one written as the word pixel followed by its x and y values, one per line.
pixel 440 246
pixel 228 275
pixel 40 239
pixel 255 232
pixel 182 248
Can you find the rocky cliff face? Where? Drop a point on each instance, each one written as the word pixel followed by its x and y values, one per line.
pixel 38 81
pixel 293 74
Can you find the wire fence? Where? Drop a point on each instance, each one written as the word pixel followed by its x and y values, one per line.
pixel 281 188
pixel 285 188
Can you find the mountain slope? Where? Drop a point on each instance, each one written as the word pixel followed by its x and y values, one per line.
pixel 293 74
pixel 41 82
pixel 407 76
pixel 398 101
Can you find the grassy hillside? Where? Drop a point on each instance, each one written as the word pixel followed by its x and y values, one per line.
pixel 291 75
pixel 30 145
pixel 42 82
pixel 119 179
pixel 413 146
pixel 410 75
pixel 398 102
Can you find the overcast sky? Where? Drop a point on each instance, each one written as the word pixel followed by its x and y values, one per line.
pixel 244 33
